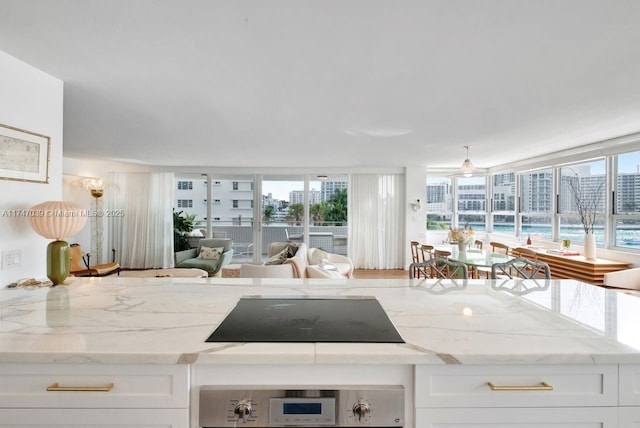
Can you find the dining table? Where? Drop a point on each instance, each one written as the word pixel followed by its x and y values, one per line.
pixel 474 258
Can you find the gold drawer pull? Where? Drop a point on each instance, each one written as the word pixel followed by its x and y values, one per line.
pixel 56 387
pixel 544 386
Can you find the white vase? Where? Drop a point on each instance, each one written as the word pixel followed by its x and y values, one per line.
pixel 590 246
pixel 462 246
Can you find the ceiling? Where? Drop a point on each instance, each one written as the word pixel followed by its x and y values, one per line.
pixel 333 83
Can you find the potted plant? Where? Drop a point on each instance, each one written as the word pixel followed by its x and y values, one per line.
pixel 181 226
pixel 587 199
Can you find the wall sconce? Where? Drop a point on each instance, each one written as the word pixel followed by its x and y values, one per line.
pixel 416 205
pixel 96 186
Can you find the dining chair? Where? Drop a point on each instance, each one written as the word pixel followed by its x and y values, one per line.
pixel 427 252
pixel 520 268
pixel 438 267
pixel 478 243
pixel 499 247
pixel 415 254
pixel 443 254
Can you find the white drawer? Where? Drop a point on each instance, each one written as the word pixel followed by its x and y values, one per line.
pixel 558 417
pixel 468 386
pixel 102 418
pixel 629 385
pixel 629 417
pixel 134 386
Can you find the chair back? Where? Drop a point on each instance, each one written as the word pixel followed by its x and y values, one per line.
pixel 439 268
pixel 499 247
pixel 415 251
pixel 427 252
pixel 226 243
pixel 521 268
pixel 441 254
pixel 77 263
pixel 478 243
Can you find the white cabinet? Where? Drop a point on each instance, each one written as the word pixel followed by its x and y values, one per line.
pixel 629 415
pixel 521 396
pixel 527 417
pixel 40 395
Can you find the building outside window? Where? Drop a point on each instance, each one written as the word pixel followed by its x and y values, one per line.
pixel 234 203
pixel 589 180
pixel 472 202
pixel 536 203
pixel 626 220
pixel 185 203
pixel 439 203
pixel 185 185
pixel 503 202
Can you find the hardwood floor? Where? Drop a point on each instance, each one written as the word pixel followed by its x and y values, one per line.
pixel 380 274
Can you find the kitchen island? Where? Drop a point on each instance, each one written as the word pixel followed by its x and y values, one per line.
pixel 150 333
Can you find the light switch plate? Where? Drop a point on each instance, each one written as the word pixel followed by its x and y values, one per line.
pixel 11 259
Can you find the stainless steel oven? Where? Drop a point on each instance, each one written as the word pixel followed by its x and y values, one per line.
pixel 263 406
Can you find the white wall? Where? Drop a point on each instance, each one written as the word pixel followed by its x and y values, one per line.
pixel 416 227
pixel 33 101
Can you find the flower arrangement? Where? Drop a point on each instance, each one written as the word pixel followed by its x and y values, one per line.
pixel 463 235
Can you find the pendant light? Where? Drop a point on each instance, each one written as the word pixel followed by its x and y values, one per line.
pixel 467 166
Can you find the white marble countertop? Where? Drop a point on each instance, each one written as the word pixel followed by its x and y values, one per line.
pixel 166 321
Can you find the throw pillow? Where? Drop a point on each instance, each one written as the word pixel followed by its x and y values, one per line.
pixel 279 258
pixel 208 253
pixel 316 255
pixel 292 248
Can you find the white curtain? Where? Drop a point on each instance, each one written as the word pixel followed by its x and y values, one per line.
pixel 376 221
pixel 143 235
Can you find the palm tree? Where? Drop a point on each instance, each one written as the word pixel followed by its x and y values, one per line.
pixel 269 212
pixel 296 211
pixel 338 207
pixel 319 212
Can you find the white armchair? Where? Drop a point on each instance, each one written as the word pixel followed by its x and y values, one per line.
pixel 343 264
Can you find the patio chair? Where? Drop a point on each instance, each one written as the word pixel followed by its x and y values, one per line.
pixel 520 268
pixel 438 268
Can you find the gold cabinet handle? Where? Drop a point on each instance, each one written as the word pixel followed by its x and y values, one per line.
pixel 56 387
pixel 544 386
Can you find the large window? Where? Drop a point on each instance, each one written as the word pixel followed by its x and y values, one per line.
pixel 536 204
pixel 627 201
pixel 503 202
pixel 472 202
pixel 283 208
pixel 439 203
pixel 581 191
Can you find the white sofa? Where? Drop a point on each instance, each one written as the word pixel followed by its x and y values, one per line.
pixel 627 278
pixel 304 264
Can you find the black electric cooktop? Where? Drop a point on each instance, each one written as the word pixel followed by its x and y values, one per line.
pixel 312 319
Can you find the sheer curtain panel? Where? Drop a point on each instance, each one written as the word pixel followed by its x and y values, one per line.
pixel 143 234
pixel 376 221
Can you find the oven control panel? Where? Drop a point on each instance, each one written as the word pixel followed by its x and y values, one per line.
pixel 238 406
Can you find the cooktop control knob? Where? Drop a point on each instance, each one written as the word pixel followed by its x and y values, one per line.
pixel 243 410
pixel 361 410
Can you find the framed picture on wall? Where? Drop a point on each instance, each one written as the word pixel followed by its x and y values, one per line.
pixel 24 155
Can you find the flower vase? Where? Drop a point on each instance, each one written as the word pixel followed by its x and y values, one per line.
pixel 462 246
pixel 590 246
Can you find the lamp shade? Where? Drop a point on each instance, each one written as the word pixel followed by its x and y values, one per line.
pixel 57 219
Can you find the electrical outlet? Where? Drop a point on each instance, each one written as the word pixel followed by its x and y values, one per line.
pixel 11 259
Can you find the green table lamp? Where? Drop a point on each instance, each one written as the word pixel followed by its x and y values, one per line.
pixel 56 220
